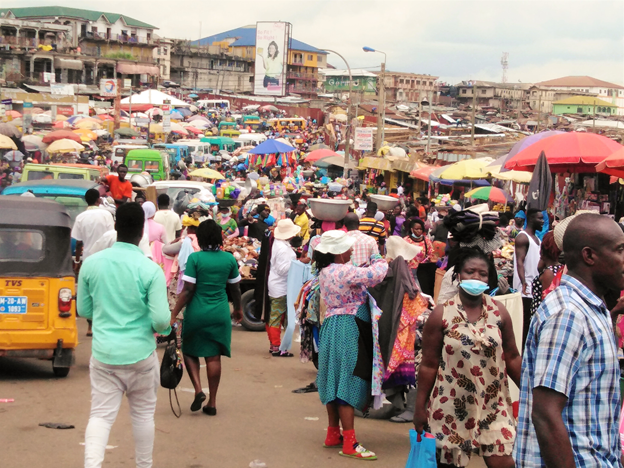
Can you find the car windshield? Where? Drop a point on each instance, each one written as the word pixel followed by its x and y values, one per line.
pixel 73 205
pixel 21 245
pixel 64 175
pixel 38 175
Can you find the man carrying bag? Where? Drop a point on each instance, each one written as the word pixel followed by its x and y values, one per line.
pixel 125 295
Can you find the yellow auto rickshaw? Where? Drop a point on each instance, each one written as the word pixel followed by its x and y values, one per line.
pixel 37 282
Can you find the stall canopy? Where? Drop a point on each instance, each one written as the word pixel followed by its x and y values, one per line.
pixel 137 69
pixel 423 172
pixel 69 64
pixel 154 98
pixel 371 162
pixel 272 147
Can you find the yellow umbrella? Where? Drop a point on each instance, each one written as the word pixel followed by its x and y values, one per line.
pixel 65 145
pixel 7 143
pixel 156 128
pixel 85 133
pixel 88 124
pixel 207 173
pixel 60 117
pixel 466 169
pixel 522 177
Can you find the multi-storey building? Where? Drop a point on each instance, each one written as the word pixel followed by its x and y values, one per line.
pixel 408 87
pixel 609 92
pixel 71 45
pixel 303 60
pixel 209 67
pixel 490 94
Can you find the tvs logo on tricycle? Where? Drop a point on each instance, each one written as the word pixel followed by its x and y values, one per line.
pixel 14 283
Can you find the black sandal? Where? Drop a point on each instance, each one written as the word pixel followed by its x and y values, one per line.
pixel 307 389
pixel 197 402
pixel 210 410
pixel 282 354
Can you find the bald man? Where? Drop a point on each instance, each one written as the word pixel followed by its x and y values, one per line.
pixel 569 395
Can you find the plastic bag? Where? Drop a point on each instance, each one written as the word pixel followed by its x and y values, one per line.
pixel 423 451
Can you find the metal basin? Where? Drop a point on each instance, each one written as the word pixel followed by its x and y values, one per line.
pixel 384 202
pixel 329 210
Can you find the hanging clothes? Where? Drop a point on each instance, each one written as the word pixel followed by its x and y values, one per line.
pixel 298 274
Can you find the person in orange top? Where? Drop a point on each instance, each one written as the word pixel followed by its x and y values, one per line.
pixel 120 188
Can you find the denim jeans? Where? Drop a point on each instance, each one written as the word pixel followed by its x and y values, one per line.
pixel 140 382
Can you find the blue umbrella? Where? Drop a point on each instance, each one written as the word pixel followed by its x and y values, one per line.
pixel 176 115
pixel 271 147
pixel 184 111
pixel 193 95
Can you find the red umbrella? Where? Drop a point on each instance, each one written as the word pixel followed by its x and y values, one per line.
pixel 613 165
pixel 61 124
pixel 105 117
pixel 423 172
pixel 194 130
pixel 60 134
pixel 320 154
pixel 568 152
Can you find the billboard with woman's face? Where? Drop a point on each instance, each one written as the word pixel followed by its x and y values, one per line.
pixel 271 58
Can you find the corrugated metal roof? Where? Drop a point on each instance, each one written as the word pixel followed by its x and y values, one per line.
pixel 90 15
pixel 246 37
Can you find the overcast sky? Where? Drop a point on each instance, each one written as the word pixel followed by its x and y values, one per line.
pixel 455 40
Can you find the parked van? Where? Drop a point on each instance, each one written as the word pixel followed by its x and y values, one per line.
pixel 219 143
pixel 288 123
pixel 156 163
pixel 214 103
pixel 175 151
pixel 229 133
pixel 63 171
pixel 198 150
pixel 250 139
pixel 120 152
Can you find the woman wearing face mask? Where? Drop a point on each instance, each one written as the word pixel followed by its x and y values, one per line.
pixel 227 223
pixel 423 265
pixel 469 349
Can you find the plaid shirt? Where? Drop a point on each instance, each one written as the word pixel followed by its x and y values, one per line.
pixel 571 349
pixel 364 247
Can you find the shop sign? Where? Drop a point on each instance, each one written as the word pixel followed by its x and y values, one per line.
pixel 7 102
pixel 166 122
pixel 364 139
pixel 65 110
pixel 108 87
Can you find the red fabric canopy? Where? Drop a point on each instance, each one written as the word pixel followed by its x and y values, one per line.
pixel 613 165
pixel 423 172
pixel 320 154
pixel 568 152
pixel 59 135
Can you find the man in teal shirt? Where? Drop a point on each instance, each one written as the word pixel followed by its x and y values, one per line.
pixel 125 295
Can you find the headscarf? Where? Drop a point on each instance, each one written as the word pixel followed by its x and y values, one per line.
pixel 520 214
pixel 149 209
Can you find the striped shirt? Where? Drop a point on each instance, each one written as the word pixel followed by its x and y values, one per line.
pixel 373 228
pixel 571 349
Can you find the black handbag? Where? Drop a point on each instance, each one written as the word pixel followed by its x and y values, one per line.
pixel 171 371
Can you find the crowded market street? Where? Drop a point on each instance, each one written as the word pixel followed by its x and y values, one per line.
pixel 258 390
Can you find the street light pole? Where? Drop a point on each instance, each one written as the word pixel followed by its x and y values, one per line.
pixel 381 86
pixel 349 117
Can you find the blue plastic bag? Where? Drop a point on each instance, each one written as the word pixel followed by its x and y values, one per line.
pixel 423 451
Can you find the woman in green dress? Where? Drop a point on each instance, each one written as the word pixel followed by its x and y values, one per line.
pixel 227 223
pixel 207 325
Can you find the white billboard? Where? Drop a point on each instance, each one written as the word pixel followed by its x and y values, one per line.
pixel 363 140
pixel 271 58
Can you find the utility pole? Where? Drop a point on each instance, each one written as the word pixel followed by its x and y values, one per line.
pixel 594 121
pixel 539 111
pixel 429 128
pixel 474 109
pixel 381 106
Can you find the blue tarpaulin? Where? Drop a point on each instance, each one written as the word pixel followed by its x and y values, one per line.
pixel 271 147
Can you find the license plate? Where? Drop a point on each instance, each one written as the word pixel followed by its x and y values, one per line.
pixel 13 304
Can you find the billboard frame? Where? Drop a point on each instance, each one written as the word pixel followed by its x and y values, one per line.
pixel 260 76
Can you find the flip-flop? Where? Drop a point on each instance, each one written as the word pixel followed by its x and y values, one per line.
pixel 360 454
pixel 197 402
pixel 339 444
pixel 210 410
pixel 307 389
pixel 282 354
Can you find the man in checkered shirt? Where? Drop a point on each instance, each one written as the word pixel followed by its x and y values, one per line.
pixel 570 394
pixel 364 246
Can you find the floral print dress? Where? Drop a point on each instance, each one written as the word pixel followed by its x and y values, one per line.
pixel 470 408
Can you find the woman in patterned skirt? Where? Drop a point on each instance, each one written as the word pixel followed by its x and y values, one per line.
pixel 469 349
pixel 343 291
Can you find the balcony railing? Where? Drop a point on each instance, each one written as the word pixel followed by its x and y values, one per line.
pixel 301 76
pixel 20 41
pixel 102 36
pixel 301 89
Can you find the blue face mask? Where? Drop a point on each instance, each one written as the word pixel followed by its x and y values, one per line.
pixel 474 287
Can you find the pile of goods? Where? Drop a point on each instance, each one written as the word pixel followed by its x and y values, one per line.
pixel 443 200
pixel 246 252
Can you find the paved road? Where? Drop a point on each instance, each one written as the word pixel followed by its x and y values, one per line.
pixel 259 417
